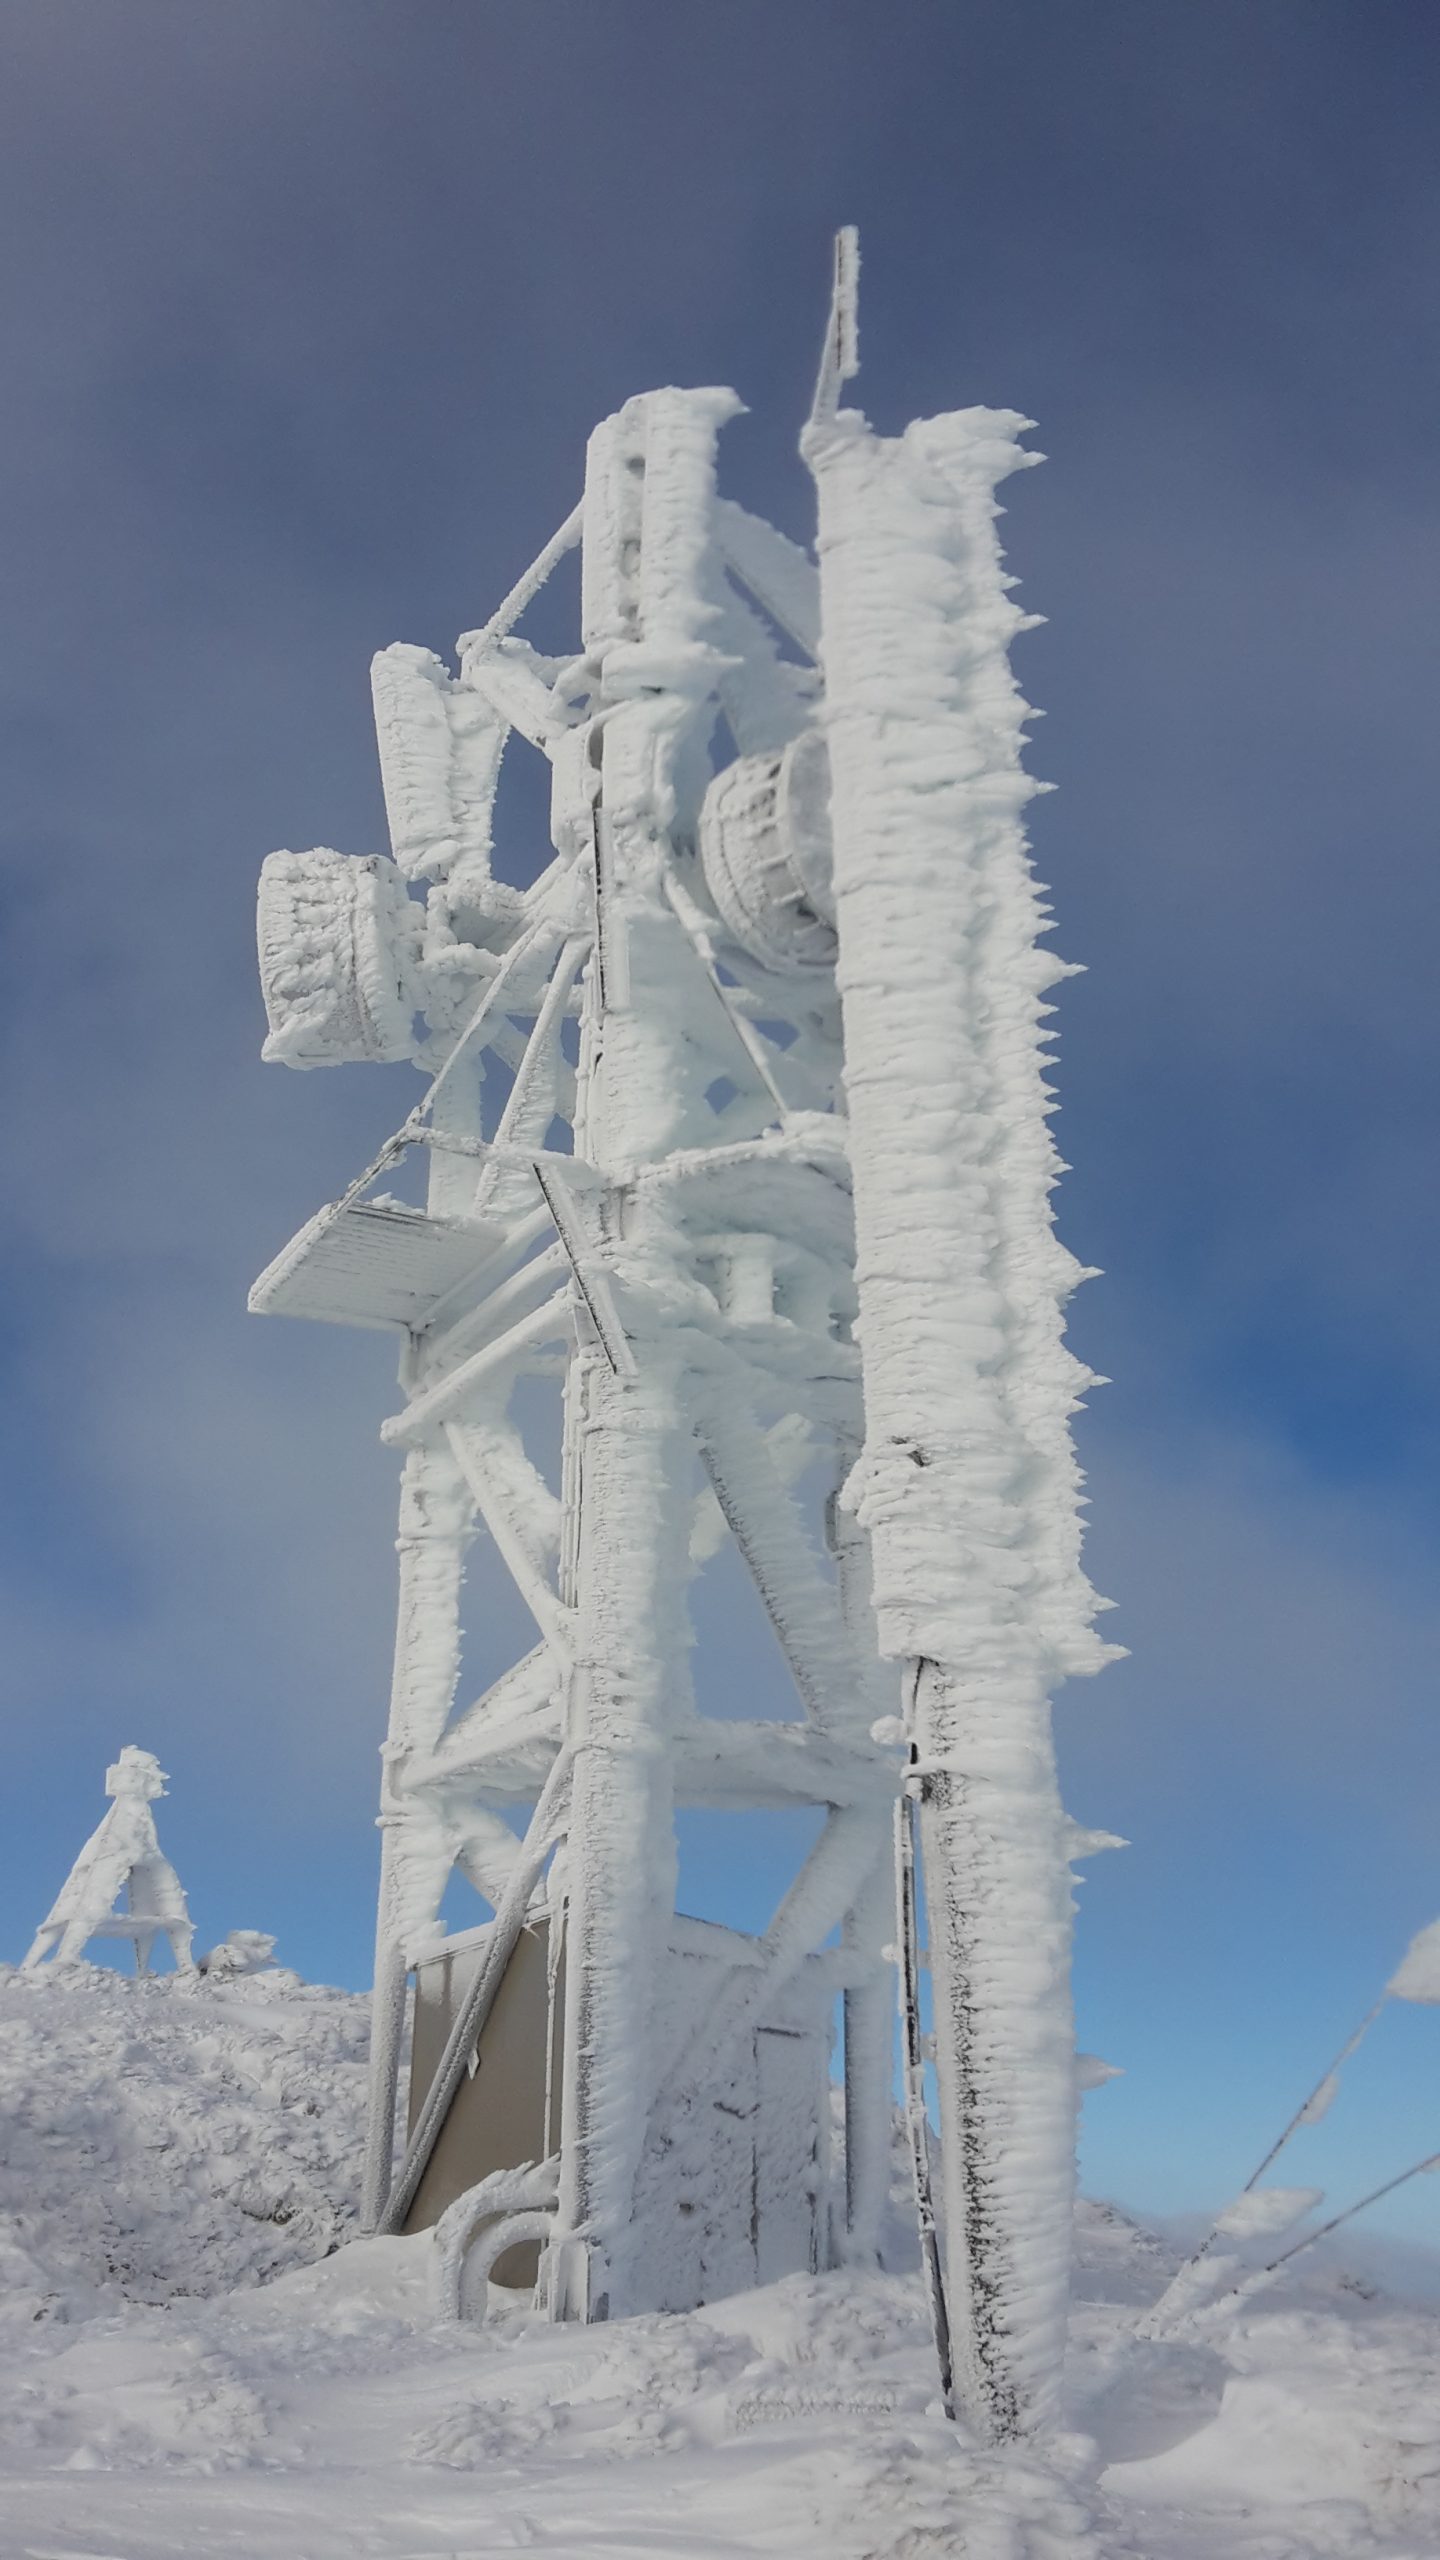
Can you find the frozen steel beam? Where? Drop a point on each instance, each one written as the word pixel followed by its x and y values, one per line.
pixel 967 1484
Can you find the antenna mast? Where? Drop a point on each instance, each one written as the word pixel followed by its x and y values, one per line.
pixel 766 1043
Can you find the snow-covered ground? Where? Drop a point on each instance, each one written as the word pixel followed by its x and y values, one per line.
pixel 198 2358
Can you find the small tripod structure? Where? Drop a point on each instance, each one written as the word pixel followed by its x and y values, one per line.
pixel 122 1857
pixel 757 1223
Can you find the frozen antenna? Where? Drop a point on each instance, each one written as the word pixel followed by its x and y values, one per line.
pixel 840 356
pixel 648 1235
pixel 122 1885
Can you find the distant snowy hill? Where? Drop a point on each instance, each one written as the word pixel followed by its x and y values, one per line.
pixel 195 2357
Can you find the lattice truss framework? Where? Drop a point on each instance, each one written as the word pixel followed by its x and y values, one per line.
pixel 665 1222
pixel 654 1212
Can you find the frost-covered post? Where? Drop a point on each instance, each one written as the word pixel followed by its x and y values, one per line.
pixel 967 1484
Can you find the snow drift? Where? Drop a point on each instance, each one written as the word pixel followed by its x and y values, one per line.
pixel 191 2363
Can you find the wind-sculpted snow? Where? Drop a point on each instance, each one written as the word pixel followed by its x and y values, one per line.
pixel 156 2132
pixel 169 2137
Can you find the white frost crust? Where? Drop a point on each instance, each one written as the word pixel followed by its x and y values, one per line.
pixel 968 1481
pixel 440 745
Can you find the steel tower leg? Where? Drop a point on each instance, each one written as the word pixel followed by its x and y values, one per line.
pixel 436 1526
pixel 997 1906
pixel 631 1681
pixel 967 1482
pixel 648 492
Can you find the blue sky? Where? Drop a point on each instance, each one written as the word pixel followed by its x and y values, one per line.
pixel 308 313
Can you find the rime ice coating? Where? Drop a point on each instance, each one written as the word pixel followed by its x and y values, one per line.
pixel 967 1483
pixel 1417 1977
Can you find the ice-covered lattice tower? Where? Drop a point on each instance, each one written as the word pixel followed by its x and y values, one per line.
pixel 122 1885
pixel 737 1157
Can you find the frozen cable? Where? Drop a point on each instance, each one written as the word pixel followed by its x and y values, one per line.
pixel 1247 2283
pixel 908 1984
pixel 1309 2109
